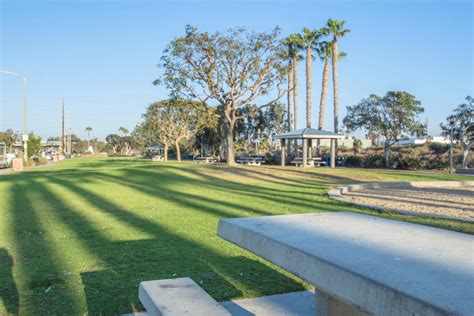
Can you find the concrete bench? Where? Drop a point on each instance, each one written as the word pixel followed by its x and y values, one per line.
pixel 365 265
pixel 177 297
pixel 250 162
pixel 206 160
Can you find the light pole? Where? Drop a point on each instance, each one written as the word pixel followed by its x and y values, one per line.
pixel 25 126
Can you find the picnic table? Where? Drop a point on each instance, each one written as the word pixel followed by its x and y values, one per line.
pixel 157 158
pixel 311 162
pixel 251 160
pixel 365 265
pixel 206 160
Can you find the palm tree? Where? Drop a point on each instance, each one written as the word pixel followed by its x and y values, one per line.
pixel 336 29
pixel 293 45
pixel 297 44
pixel 325 54
pixel 310 40
pixel 88 131
pixel 289 55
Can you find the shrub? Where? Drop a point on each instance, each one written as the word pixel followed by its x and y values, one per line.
pixel 373 161
pixel 38 161
pixel 438 148
pixel 354 161
pixel 406 161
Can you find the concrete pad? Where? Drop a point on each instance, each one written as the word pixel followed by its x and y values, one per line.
pixel 177 297
pixel 289 304
pixel 379 266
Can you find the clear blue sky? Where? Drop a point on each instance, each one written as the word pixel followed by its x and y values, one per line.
pixel 102 55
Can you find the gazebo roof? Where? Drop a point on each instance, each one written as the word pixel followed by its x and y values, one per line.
pixel 309 133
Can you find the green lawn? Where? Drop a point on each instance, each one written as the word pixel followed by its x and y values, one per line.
pixel 78 237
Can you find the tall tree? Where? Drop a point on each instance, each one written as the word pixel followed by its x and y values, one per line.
pixel 325 54
pixel 392 116
pixel 113 140
pixel 175 120
pixel 9 137
pixel 337 30
pixel 310 41
pixel 233 69
pixel 88 131
pixel 461 125
pixel 123 131
pixel 291 50
pixel 297 42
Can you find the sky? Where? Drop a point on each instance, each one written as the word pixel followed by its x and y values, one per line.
pixel 102 56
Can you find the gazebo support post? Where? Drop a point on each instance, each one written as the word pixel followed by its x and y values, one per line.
pixel 282 153
pixel 305 152
pixel 310 148
pixel 333 153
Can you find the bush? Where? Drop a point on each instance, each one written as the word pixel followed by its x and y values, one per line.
pixel 354 161
pixel 438 148
pixel 373 161
pixel 406 161
pixel 38 161
pixel 272 159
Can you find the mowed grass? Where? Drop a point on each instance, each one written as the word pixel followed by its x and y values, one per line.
pixel 78 237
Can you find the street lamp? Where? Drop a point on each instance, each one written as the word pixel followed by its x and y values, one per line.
pixel 25 128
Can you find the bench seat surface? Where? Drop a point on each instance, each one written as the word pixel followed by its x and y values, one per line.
pixel 180 296
pixel 376 264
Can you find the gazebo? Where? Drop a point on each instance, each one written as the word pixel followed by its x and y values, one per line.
pixel 308 135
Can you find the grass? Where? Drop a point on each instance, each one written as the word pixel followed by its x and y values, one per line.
pixel 79 237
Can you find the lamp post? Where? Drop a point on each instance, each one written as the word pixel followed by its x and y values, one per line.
pixel 25 126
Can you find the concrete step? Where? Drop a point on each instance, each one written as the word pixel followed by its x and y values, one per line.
pixel 177 297
pixel 289 304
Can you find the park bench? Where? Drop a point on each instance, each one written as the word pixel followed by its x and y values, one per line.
pixel 205 160
pixel 157 158
pixel 251 160
pixel 311 162
pixel 365 265
pixel 180 296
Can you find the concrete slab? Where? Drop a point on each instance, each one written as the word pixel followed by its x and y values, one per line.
pixel 177 297
pixel 289 304
pixel 380 266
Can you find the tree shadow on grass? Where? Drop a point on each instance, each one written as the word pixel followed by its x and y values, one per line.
pixel 114 287
pixel 37 265
pixel 143 182
pixel 8 288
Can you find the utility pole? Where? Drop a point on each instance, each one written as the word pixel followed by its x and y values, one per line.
pixel 68 137
pixel 63 143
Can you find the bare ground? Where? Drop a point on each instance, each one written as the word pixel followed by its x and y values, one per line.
pixel 439 202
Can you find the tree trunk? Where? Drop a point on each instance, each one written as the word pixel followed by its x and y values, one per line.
pixel 165 152
pixel 295 100
pixel 289 95
pixel 230 146
pixel 308 86
pixel 229 121
pixel 322 103
pixel 178 150
pixel 465 154
pixel 386 153
pixel 335 55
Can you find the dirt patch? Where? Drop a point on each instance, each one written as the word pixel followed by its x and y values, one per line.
pixel 440 202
